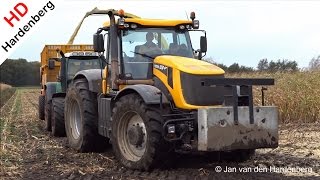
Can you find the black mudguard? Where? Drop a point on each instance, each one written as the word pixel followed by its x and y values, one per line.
pixel 93 76
pixel 150 94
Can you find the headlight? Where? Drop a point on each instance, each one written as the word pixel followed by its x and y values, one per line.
pixel 75 54
pixel 86 53
pixel 121 21
pixel 133 26
pixel 195 24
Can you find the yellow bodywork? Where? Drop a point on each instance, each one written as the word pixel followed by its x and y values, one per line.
pixel 187 65
pixel 153 22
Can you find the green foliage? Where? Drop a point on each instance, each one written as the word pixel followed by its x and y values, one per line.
pixel 233 68
pixel 20 72
pixel 263 65
pixel 277 66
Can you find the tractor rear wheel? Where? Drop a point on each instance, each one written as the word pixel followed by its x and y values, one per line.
pixel 57 117
pixel 47 115
pixel 41 107
pixel 136 134
pixel 81 118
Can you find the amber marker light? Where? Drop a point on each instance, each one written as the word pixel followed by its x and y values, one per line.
pixel 192 16
pixel 121 12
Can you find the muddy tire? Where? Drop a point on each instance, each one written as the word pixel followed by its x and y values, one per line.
pixel 57 117
pixel 41 107
pixel 47 116
pixel 81 119
pixel 136 135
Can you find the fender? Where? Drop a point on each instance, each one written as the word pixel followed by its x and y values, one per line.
pixel 52 88
pixel 150 94
pixel 94 78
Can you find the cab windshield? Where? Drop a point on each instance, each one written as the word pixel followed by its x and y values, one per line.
pixel 141 46
pixel 76 65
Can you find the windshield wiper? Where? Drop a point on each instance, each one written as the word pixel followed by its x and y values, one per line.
pixel 155 55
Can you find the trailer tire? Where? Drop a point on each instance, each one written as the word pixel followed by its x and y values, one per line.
pixel 47 115
pixel 137 135
pixel 41 107
pixel 57 117
pixel 81 118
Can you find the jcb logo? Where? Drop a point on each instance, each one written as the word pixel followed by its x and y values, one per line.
pixel 160 67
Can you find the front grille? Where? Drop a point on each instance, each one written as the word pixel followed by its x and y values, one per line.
pixel 195 93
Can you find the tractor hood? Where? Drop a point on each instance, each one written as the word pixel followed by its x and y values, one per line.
pixel 188 65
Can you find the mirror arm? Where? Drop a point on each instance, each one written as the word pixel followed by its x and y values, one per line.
pixel 204 55
pixel 199 54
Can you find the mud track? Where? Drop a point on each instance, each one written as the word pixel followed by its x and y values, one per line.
pixel 28 152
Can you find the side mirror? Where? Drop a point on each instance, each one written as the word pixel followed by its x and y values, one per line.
pixel 98 43
pixel 51 64
pixel 203 44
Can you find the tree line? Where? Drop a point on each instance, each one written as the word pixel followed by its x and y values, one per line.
pixel 264 65
pixel 20 72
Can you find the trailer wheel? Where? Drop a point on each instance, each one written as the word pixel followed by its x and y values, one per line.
pixel 57 117
pixel 41 107
pixel 136 134
pixel 81 118
pixel 47 115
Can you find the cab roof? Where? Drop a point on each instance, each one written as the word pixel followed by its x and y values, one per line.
pixel 153 22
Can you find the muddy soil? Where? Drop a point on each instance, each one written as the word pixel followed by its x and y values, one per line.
pixel 29 152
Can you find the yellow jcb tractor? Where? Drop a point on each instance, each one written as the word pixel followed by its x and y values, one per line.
pixel 156 97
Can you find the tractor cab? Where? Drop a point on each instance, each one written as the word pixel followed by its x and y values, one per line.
pixel 73 62
pixel 134 45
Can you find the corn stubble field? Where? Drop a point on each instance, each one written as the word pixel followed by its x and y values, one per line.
pixel 6 92
pixel 28 152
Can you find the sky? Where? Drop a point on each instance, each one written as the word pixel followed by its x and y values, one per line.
pixel 238 31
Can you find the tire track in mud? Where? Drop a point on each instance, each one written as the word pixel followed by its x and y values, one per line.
pixel 8 153
pixel 7 113
pixel 44 157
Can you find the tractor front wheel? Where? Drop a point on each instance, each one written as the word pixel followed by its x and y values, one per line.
pixel 136 134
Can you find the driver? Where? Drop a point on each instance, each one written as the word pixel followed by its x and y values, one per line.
pixel 149 47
